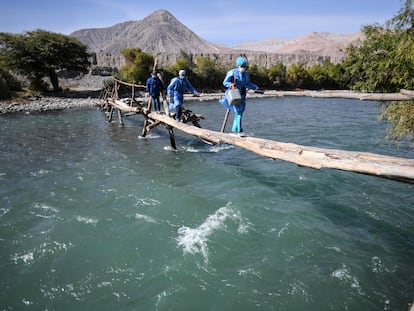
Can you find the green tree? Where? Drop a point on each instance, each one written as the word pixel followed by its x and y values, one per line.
pixel 318 75
pixel 258 75
pixel 323 77
pixel 181 64
pixel 298 76
pixel 377 64
pixel 8 84
pixel 336 76
pixel 277 75
pixel 384 61
pixel 209 74
pixel 38 54
pixel 403 23
pixel 138 65
pixel 400 115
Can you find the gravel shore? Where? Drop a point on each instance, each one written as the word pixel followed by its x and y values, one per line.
pixel 84 99
pixel 32 105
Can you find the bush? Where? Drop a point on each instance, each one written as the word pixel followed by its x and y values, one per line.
pixel 38 85
pixel 4 89
pixel 8 84
pixel 401 117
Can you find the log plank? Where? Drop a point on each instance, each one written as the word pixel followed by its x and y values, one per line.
pixel 401 169
pixel 395 168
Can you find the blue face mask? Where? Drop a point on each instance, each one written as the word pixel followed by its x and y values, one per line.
pixel 242 69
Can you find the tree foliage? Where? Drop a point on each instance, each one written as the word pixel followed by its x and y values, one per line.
pixel 38 54
pixel 8 84
pixel 259 75
pixel 384 61
pixel 138 65
pixel 208 73
pixel 277 75
pixel 182 63
pixel 400 115
pixel 298 75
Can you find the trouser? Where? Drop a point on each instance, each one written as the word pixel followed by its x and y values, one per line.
pixel 156 103
pixel 178 111
pixel 237 123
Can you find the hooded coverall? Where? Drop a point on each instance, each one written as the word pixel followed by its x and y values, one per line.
pixel 176 91
pixel 242 82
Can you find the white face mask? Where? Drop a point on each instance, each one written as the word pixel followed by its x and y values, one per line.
pixel 182 77
pixel 242 69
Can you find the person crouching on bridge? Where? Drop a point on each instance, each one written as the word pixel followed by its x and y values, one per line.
pixel 176 89
pixel 153 88
pixel 238 78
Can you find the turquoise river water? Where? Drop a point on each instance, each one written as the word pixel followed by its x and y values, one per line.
pixel 92 217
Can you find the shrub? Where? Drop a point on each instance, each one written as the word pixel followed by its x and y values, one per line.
pixel 8 84
pixel 4 89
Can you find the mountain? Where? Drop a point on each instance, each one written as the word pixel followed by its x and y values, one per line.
pixel 159 32
pixel 266 46
pixel 163 35
pixel 323 43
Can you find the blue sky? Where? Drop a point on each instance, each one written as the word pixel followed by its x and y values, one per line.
pixel 217 21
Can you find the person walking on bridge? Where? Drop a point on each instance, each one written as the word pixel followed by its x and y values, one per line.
pixel 238 78
pixel 176 89
pixel 153 88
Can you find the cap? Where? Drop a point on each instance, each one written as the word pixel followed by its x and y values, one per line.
pixel 241 61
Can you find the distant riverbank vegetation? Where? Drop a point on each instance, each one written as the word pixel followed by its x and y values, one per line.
pixel 383 62
pixel 207 75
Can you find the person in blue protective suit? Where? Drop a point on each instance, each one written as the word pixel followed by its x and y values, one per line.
pixel 176 89
pixel 238 77
pixel 153 88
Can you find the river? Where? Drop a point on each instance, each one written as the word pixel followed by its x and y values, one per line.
pixel 92 217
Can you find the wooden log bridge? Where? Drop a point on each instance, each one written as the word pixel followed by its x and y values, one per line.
pixel 395 168
pixel 389 167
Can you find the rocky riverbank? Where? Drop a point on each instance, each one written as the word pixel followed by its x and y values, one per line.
pixel 33 104
pixel 85 99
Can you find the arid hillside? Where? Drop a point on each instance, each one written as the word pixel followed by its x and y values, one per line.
pixel 159 32
pixel 162 35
